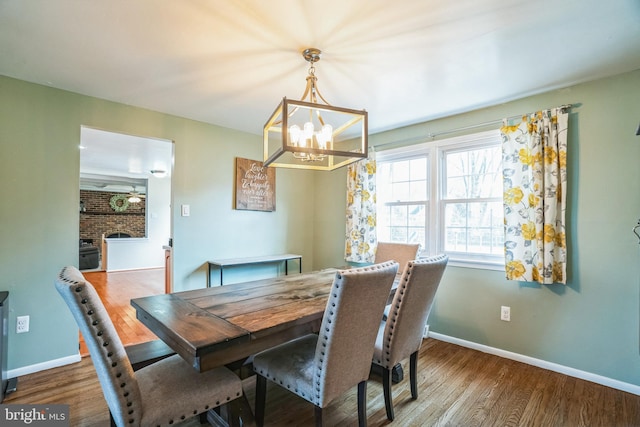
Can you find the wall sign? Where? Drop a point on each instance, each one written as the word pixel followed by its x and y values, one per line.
pixel 255 186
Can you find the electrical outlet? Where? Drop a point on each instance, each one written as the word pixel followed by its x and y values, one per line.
pixel 22 324
pixel 505 313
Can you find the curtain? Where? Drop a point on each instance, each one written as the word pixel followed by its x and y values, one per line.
pixel 535 189
pixel 360 239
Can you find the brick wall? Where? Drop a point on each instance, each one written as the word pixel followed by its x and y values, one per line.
pixel 100 218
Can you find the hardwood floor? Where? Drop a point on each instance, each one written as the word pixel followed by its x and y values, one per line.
pixel 116 291
pixel 457 387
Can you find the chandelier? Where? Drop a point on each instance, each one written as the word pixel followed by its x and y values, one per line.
pixel 309 134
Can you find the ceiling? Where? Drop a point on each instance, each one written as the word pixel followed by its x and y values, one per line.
pixel 230 63
pixel 115 162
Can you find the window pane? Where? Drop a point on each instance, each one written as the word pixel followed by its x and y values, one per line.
pixel 398 234
pixel 383 181
pixel 418 191
pixel 473 173
pixel 416 217
pixel 455 239
pixel 383 218
pixel 402 224
pixel 456 188
pixel 398 216
pixel 474 227
pixel 400 171
pixel 401 191
pixel 417 235
pixel 455 215
pixel 418 169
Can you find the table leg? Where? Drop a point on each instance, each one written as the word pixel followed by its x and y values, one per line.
pixel 236 413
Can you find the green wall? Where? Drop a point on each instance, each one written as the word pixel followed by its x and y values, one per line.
pixel 39 184
pixel 592 323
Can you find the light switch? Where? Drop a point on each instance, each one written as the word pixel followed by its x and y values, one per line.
pixel 186 210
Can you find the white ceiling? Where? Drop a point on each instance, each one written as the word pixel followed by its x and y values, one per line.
pixel 230 63
pixel 116 162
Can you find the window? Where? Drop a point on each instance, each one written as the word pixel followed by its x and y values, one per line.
pixel 403 215
pixel 447 196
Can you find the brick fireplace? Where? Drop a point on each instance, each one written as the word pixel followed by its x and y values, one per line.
pixel 99 218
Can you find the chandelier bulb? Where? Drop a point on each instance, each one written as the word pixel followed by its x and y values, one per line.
pixel 294 132
pixel 308 130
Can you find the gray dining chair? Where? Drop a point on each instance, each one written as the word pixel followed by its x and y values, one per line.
pixel 400 335
pixel 160 394
pixel 401 253
pixel 321 367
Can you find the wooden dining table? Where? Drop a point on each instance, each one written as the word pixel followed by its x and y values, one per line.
pixel 224 325
pixel 221 325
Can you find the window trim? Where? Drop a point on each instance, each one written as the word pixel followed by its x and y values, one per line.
pixel 434 151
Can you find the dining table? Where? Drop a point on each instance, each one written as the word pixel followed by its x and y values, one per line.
pixel 225 325
pixel 220 325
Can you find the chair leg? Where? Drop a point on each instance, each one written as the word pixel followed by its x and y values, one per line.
pixel 362 404
pixel 413 374
pixel 386 387
pixel 318 415
pixel 261 397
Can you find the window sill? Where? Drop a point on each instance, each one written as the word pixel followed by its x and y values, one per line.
pixel 481 265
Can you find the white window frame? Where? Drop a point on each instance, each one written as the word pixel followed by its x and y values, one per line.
pixel 435 151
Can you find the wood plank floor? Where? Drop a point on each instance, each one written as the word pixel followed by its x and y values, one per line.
pixel 457 387
pixel 116 291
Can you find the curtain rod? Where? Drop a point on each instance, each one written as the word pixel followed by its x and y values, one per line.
pixel 455 130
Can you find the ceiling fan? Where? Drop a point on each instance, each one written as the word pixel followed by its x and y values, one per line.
pixel 134 196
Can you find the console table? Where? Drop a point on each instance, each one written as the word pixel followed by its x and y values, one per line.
pixel 230 262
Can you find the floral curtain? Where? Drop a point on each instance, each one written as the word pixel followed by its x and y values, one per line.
pixel 361 211
pixel 535 190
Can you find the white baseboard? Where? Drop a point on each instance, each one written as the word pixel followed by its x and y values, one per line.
pixel 25 370
pixel 576 373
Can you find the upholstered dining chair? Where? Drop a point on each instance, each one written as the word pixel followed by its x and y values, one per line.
pixel 400 335
pixel 160 394
pixel 401 253
pixel 321 367
pixel 398 252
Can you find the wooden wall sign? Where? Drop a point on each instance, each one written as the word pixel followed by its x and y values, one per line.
pixel 255 186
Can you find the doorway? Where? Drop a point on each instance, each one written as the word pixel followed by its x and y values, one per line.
pixel 125 187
